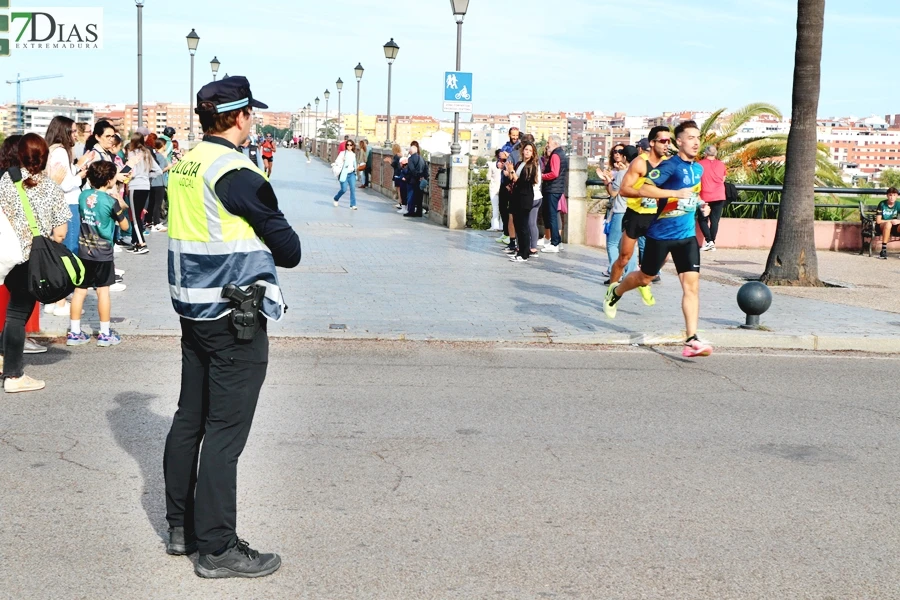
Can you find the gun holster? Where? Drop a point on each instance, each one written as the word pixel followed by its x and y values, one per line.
pixel 246 306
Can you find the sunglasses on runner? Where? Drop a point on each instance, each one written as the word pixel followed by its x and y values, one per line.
pixel 663 141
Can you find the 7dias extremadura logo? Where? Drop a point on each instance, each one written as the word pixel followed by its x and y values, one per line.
pixel 50 29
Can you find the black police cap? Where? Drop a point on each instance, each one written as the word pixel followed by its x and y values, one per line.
pixel 231 93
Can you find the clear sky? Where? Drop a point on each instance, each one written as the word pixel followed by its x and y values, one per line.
pixel 637 56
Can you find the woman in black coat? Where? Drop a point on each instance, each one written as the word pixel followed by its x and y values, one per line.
pixel 525 177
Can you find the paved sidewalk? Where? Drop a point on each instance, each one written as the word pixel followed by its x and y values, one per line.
pixel 373 274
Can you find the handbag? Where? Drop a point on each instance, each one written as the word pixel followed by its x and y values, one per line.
pixel 337 167
pixel 563 204
pixel 53 271
pixel 423 185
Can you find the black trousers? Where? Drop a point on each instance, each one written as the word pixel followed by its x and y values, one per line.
pixel 709 226
pixel 18 311
pixel 220 383
pixel 504 209
pixel 523 232
pixel 157 197
pixel 139 202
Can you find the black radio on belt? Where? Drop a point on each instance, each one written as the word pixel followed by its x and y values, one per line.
pixel 245 316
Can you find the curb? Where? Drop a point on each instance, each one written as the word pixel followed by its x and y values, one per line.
pixel 719 339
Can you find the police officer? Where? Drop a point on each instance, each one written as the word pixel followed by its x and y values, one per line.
pixel 226 236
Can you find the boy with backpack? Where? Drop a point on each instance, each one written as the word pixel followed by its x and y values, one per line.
pixel 100 210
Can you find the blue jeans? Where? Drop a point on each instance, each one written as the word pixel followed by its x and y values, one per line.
pixel 74 230
pixel 552 209
pixel 350 184
pixel 612 243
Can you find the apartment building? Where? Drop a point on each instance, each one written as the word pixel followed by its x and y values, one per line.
pixel 868 145
pixel 159 115
pixel 37 114
pixel 544 124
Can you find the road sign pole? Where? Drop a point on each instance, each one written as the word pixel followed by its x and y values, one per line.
pixel 454 147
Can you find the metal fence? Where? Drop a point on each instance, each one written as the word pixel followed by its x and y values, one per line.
pixel 767 190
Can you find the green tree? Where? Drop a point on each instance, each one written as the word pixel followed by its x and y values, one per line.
pixel 890 178
pixel 329 129
pixel 793 259
pixel 2 138
pixel 481 161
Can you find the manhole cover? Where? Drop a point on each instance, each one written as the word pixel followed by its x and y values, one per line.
pixel 337 326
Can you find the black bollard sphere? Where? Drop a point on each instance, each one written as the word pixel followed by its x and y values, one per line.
pixel 754 298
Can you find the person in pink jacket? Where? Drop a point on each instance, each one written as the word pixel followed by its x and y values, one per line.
pixel 712 191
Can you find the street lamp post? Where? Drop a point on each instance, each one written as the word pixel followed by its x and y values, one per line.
pixel 459 11
pixel 391 49
pixel 308 115
pixel 140 57
pixel 193 40
pixel 214 65
pixel 316 127
pixel 327 95
pixel 359 73
pixel 340 85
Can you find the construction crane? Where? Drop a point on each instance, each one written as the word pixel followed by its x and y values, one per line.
pixel 20 114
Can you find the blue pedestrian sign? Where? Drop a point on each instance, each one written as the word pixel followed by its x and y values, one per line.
pixel 457 92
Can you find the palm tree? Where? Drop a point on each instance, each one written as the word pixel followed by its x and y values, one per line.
pixel 793 260
pixel 732 123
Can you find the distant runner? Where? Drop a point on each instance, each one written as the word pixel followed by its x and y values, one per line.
pixel 268 148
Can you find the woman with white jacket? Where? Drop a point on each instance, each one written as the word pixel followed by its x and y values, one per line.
pixel 345 167
pixel 68 175
pixel 495 170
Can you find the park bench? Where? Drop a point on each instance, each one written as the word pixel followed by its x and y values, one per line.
pixel 870 230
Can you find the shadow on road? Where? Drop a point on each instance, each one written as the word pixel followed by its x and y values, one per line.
pixel 142 433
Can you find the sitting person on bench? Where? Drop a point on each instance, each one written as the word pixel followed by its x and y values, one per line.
pixel 887 219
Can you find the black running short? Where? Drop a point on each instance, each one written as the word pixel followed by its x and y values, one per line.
pixel 98 274
pixel 635 224
pixel 685 254
pixel 269 158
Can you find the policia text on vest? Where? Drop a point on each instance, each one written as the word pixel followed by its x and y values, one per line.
pixel 225 231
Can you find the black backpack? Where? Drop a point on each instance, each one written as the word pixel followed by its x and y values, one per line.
pixel 731 193
pixel 53 271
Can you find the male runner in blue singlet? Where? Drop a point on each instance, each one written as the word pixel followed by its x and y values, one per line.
pixel 673 232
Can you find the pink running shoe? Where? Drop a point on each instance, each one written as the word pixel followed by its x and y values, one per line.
pixel 694 347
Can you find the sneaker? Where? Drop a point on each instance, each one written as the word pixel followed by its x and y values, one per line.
pixel 401 211
pixel 117 248
pixel 647 295
pixel 49 308
pixel 694 347
pixel 543 242
pixel 32 347
pixel 712 246
pixel 120 272
pixel 161 228
pixel 22 384
pixel 503 239
pixel 354 208
pixel 609 302
pixel 517 259
pixel 605 273
pixel 238 561
pixel 657 279
pixel 335 202
pixel 181 543
pixel 883 254
pixel 61 311
pixel 550 249
pixel 139 250
pixel 77 339
pixel 105 341
pixel 705 247
pixel 118 286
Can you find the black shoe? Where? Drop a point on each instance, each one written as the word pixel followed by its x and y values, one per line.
pixel 181 543
pixel 606 282
pixel 408 215
pixel 883 254
pixel 238 561
pixel 656 279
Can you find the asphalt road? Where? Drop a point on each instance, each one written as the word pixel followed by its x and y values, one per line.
pixel 391 470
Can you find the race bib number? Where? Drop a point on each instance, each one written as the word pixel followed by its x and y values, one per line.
pixel 689 204
pixel 649 203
